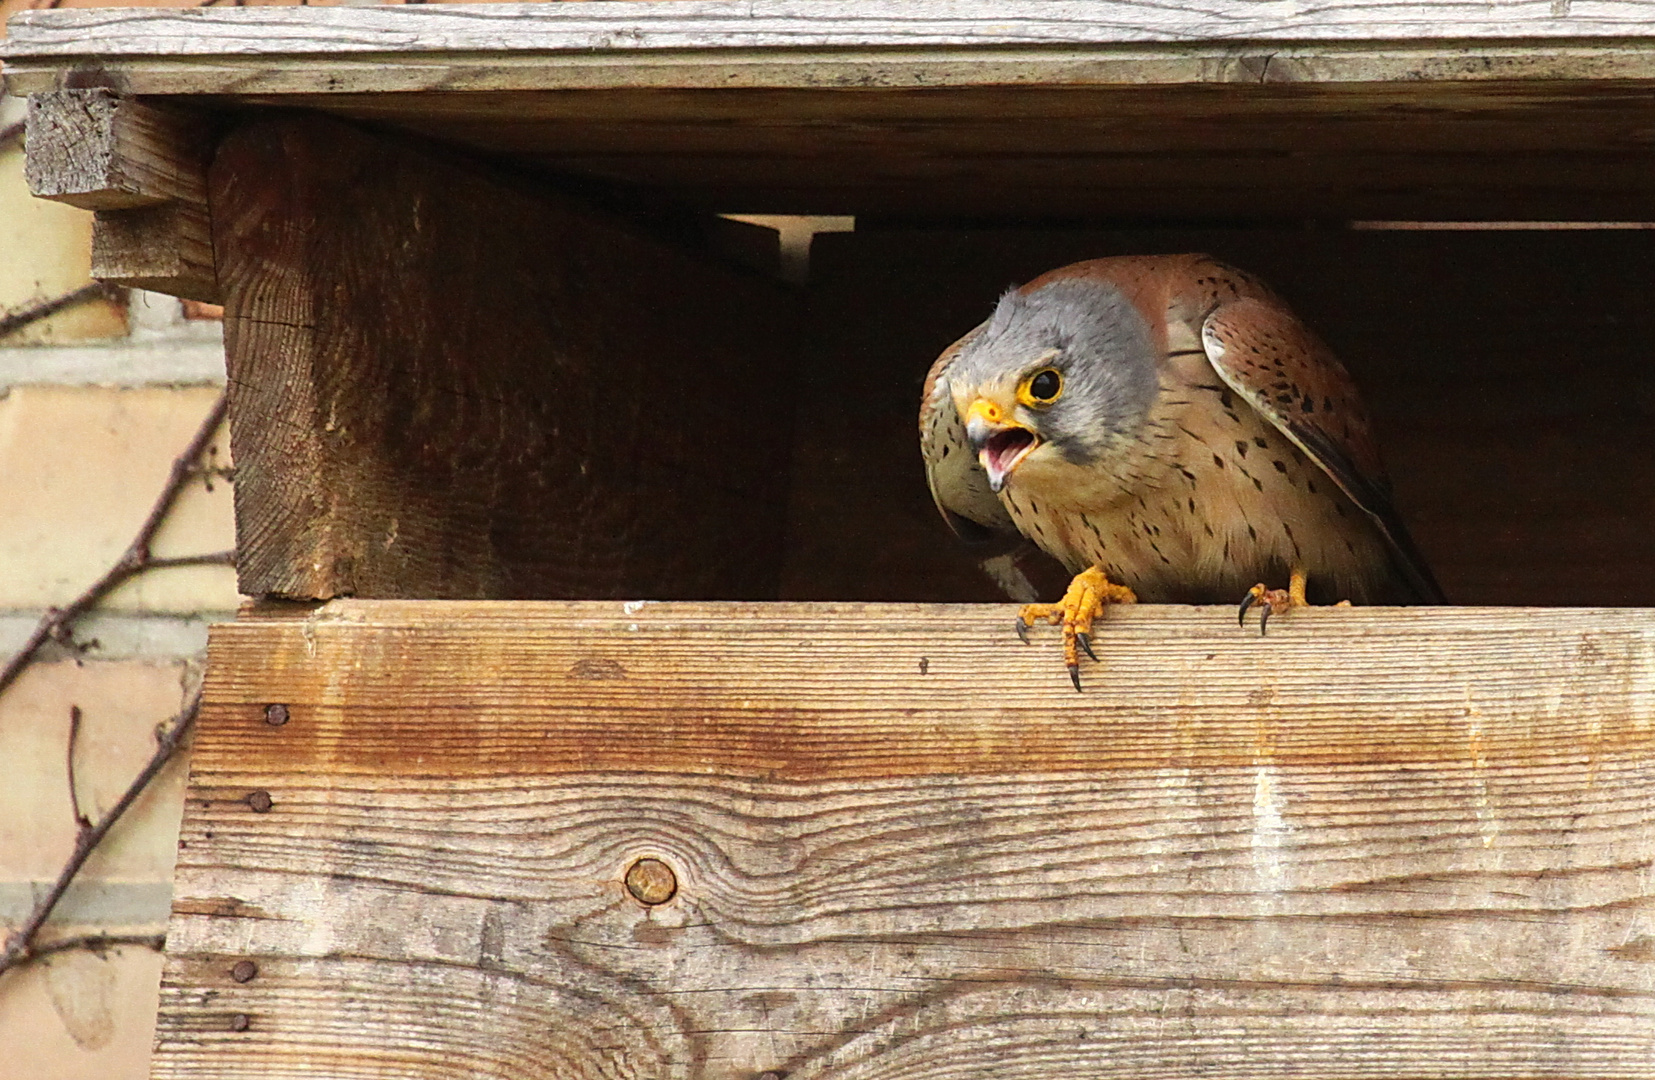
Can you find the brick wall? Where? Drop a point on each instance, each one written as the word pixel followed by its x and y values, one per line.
pixel 95 402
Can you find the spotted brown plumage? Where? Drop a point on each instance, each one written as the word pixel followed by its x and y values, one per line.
pixel 1166 424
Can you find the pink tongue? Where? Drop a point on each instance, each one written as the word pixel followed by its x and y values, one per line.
pixel 1001 450
pixel 1004 447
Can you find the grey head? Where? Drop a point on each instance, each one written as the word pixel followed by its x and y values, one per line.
pixel 1093 337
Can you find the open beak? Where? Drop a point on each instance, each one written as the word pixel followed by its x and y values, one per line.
pixel 1001 443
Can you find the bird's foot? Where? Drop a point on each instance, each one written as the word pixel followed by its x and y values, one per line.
pixel 1083 602
pixel 1276 601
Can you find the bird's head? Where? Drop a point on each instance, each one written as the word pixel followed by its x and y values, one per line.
pixel 1062 372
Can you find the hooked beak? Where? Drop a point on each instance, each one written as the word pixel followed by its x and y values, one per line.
pixel 1001 444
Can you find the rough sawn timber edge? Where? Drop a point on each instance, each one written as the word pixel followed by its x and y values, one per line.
pixel 846 43
pixel 1386 841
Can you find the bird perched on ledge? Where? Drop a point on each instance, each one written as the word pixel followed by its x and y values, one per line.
pixel 1167 429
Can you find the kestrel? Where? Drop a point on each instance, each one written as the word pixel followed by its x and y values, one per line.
pixel 1167 429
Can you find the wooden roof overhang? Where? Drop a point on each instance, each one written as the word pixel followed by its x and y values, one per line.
pixel 1036 109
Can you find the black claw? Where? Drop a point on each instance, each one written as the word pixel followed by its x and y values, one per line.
pixel 1247 602
pixel 1022 630
pixel 1264 619
pixel 1085 643
pixel 1074 676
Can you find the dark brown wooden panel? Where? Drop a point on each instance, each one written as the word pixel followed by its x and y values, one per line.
pixel 1264 150
pixel 1379 843
pixel 449 383
pixel 1508 373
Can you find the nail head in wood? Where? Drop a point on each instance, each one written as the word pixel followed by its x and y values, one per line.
pixel 244 971
pixel 275 715
pixel 651 881
pixel 240 1022
pixel 260 802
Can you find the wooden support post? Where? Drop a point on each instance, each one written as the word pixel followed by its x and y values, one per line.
pixel 142 168
pixel 449 382
pixel 601 840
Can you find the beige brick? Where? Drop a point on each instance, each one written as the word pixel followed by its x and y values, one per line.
pixel 46 251
pixel 120 702
pixel 79 469
pixel 76 1016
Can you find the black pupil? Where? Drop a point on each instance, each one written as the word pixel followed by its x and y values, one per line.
pixel 1044 386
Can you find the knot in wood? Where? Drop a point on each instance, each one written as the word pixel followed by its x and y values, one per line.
pixel 244 971
pixel 275 715
pixel 651 881
pixel 240 1022
pixel 260 802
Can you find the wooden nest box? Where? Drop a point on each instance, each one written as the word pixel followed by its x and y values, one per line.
pixel 634 724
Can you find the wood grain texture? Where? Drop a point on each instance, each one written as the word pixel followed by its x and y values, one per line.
pixel 1040 110
pixel 838 43
pixel 142 167
pixel 1505 373
pixel 98 151
pixel 1417 147
pixel 1420 63
pixel 1379 843
pixel 845 24
pixel 447 382
pixel 167 249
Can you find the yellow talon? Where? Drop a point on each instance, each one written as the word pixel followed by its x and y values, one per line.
pixel 1274 601
pixel 1082 602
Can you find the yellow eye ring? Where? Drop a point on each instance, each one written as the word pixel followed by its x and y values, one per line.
pixel 1041 388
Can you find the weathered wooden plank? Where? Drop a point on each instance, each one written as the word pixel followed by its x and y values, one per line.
pixel 98 151
pixel 1417 148
pixel 955 110
pixel 1379 843
pixel 823 43
pixel 725 25
pixel 142 168
pixel 1250 152
pixel 1505 370
pixel 1418 65
pixel 1470 119
pixel 446 382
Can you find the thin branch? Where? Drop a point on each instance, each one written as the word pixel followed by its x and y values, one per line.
pixel 19 319
pixel 82 822
pixel 98 943
pixel 211 558
pixel 54 624
pixel 20 947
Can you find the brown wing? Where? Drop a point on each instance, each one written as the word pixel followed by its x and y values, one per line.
pixel 1266 355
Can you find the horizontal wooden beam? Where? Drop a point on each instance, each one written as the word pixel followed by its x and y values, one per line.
pixel 603 839
pixel 849 43
pixel 729 25
pixel 142 168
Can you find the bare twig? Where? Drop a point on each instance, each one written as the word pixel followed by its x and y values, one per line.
pixel 20 947
pixel 98 943
pixel 19 319
pixel 82 822
pixel 211 558
pixel 54 624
